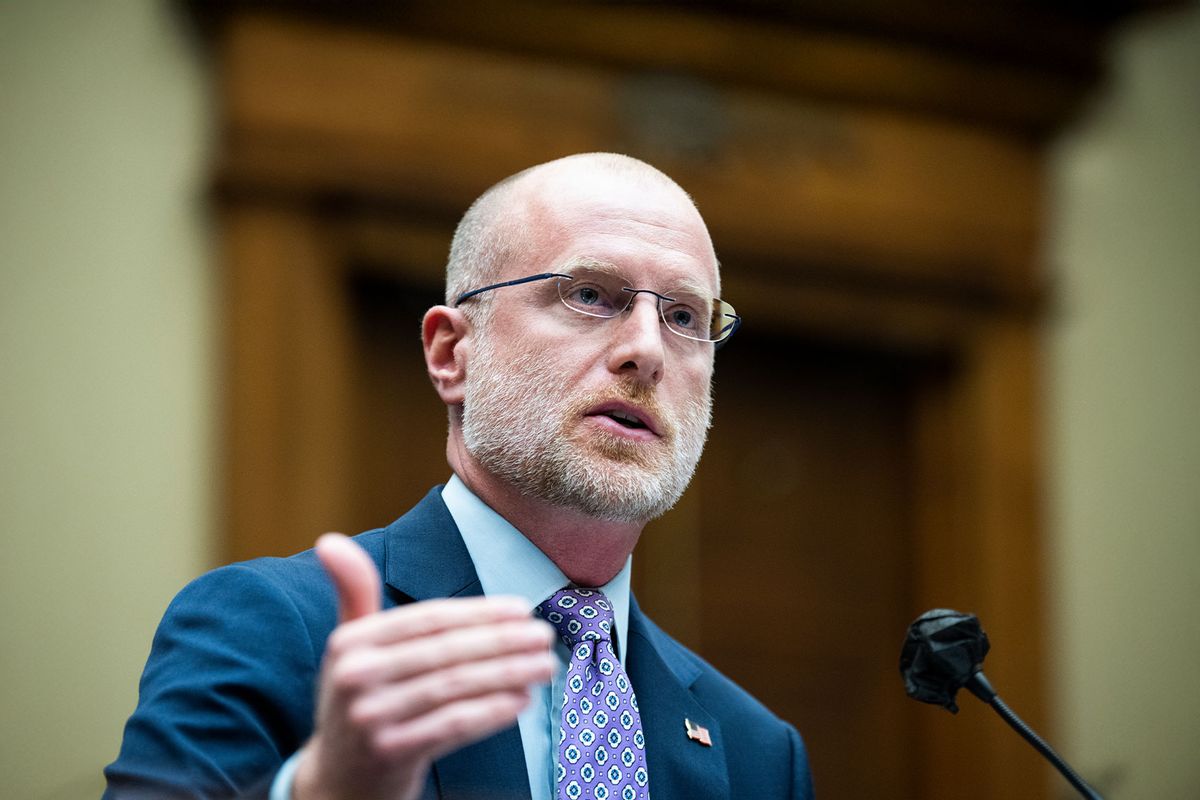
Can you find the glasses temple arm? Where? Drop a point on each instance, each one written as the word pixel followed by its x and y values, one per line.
pixel 527 279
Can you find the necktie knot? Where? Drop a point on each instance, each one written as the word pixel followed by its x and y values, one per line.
pixel 578 615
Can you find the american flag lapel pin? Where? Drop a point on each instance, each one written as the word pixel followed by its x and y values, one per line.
pixel 697 733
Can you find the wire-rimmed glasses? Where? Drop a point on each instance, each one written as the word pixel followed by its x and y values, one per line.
pixel 606 295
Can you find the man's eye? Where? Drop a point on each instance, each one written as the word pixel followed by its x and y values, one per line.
pixel 590 299
pixel 682 317
pixel 588 296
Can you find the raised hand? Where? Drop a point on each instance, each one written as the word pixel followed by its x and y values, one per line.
pixel 401 687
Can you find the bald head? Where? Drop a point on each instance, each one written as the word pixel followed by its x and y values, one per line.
pixel 502 225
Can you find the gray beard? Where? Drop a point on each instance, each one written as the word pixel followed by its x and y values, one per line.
pixel 522 423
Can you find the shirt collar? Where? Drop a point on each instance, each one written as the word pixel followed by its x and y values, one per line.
pixel 508 563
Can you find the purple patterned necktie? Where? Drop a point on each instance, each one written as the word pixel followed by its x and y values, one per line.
pixel 601 747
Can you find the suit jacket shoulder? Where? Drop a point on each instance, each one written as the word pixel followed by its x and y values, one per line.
pixel 228 689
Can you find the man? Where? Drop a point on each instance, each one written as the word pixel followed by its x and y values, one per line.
pixel 575 356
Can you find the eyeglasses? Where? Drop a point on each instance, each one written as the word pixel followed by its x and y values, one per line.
pixel 602 294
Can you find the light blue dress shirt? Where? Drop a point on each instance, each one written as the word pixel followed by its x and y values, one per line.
pixel 508 563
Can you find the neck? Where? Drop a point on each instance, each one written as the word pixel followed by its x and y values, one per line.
pixel 589 551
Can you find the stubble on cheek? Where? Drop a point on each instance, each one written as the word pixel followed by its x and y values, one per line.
pixel 527 423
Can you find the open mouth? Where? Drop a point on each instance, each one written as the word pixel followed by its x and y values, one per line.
pixel 629 417
pixel 624 419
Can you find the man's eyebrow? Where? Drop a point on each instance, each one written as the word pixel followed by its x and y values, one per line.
pixel 686 285
pixel 594 264
pixel 692 287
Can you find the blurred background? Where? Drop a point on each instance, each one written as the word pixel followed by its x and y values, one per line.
pixel 964 237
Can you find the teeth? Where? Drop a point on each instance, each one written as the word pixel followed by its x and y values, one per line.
pixel 621 415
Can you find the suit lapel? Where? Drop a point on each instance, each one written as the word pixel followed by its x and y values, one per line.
pixel 425 558
pixel 424 555
pixel 678 766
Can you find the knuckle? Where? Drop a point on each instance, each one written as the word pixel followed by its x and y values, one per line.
pixel 508 671
pixel 337 644
pixel 454 682
pixel 402 743
pixel 347 677
pixel 460 723
pixel 361 714
pixel 382 746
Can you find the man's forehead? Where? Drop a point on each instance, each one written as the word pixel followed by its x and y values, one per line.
pixel 621 211
pixel 630 189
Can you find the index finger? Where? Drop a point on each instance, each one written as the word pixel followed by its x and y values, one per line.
pixel 429 617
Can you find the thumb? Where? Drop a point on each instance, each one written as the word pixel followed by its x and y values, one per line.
pixel 353 574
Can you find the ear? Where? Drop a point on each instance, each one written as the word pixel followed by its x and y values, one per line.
pixel 444 334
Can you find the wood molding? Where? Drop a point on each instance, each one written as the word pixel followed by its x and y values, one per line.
pixel 852 192
pixel 1020 67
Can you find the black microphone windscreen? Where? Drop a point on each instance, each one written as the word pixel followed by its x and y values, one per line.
pixel 941 652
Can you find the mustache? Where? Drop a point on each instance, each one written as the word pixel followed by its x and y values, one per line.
pixel 633 392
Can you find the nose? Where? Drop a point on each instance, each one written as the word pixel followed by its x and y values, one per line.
pixel 637 347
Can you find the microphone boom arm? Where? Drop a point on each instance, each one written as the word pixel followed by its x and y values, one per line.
pixel 979 686
pixel 943 652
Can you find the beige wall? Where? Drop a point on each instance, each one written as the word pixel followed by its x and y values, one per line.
pixel 106 343
pixel 107 415
pixel 1125 421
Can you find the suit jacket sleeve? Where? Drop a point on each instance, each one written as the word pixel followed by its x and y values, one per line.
pixel 227 693
pixel 802 788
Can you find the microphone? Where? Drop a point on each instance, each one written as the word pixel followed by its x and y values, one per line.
pixel 943 652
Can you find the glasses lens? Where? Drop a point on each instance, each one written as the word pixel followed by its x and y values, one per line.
pixel 602 294
pixel 687 315
pixel 690 317
pixel 596 294
pixel 724 321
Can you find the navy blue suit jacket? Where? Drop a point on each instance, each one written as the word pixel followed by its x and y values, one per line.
pixel 228 691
